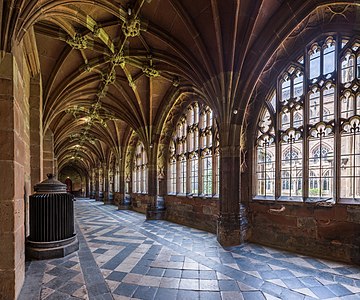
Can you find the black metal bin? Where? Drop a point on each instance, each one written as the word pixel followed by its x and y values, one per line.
pixel 51 215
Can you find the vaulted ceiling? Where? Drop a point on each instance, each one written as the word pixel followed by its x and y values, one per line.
pixel 109 67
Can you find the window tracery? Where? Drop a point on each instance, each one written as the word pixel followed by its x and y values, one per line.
pixel 140 170
pixel 297 135
pixel 194 153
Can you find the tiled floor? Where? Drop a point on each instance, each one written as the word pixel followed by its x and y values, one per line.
pixel 122 256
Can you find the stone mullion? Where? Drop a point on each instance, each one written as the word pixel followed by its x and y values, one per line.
pixel 337 129
pixel 200 161
pixel 306 85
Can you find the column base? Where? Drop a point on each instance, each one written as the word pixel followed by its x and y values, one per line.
pixel 48 250
pixel 155 214
pixel 108 200
pixel 232 229
pixel 124 202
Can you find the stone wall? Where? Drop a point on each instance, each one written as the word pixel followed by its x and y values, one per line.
pixel 194 212
pixel 139 202
pixel 15 170
pixel 328 232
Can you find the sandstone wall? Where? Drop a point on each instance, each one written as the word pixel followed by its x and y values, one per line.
pixel 328 232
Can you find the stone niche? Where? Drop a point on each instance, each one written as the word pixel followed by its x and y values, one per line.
pixel 327 232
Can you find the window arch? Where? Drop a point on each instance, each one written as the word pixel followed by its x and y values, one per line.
pixel 194 153
pixel 140 170
pixel 296 134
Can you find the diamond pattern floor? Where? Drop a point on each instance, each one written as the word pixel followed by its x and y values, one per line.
pixel 122 256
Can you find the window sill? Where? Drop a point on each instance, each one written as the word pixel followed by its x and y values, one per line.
pixel 280 199
pixel 195 196
pixel 324 202
pixel 349 201
pixel 329 201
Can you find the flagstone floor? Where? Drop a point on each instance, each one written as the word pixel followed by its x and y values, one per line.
pixel 123 256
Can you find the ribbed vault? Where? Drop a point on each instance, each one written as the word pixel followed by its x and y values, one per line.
pixel 111 67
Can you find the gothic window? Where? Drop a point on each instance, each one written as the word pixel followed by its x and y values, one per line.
pixel 265 170
pixel 172 169
pixel 297 126
pixel 140 170
pixel 193 153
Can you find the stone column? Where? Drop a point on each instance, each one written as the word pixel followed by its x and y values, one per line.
pixel 101 183
pixel 155 209
pixel 112 174
pixel 124 194
pixel 88 186
pixel 106 180
pixel 232 221
pixel 97 184
pixel 48 153
pixel 14 172
pixel 92 184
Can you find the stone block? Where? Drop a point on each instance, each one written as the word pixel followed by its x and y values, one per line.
pixel 207 210
pixel 300 211
pixel 7 175
pixel 7 247
pixel 306 222
pixel 6 66
pixel 19 173
pixel 353 214
pixel 19 246
pixel 343 232
pixel 19 144
pixel 324 213
pixel 19 276
pixel 277 220
pixel 7 284
pixel 6 115
pixel 48 155
pixel 7 216
pixel 340 212
pixel 6 145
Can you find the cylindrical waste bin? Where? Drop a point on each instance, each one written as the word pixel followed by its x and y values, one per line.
pixel 51 216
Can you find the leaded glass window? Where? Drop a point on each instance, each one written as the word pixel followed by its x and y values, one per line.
pixel 140 170
pixel 193 153
pixel 297 125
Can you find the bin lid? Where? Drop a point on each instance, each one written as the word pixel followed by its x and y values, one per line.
pixel 50 186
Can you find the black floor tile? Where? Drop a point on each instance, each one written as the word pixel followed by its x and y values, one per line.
pixel 116 276
pixel 125 289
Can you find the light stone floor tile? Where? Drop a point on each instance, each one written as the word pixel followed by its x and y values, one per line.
pixel 171 283
pixel 228 295
pixel 209 285
pixel 150 281
pixel 104 227
pixel 189 284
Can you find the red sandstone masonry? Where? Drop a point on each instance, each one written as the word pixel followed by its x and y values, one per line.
pixel 320 231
